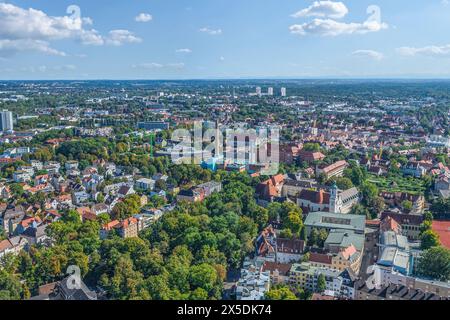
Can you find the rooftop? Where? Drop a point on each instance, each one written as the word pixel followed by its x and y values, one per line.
pixel 336 221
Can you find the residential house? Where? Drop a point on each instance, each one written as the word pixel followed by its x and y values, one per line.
pixel 279 272
pixel 99 208
pixel 145 184
pixel 12 246
pixel 310 156
pixel 11 218
pixel 36 235
pixel 21 176
pixel 442 186
pixel 414 168
pixel 410 223
pixel 253 283
pixel 125 191
pixel 200 192
pixel 289 250
pixel 64 290
pixel 271 188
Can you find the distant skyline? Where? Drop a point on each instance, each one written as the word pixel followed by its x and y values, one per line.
pixel 224 39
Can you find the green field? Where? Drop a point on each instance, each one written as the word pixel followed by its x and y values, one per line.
pixel 398 184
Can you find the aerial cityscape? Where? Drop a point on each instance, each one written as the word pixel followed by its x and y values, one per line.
pixel 145 156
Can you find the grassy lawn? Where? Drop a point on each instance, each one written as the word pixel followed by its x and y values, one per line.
pixel 403 184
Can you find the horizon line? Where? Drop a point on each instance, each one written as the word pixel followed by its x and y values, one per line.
pixel 240 78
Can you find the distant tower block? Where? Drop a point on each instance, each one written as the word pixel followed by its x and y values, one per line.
pixel 258 91
pixel 283 92
pixel 270 91
pixel 6 121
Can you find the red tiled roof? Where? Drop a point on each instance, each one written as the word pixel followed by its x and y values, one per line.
pixel 335 166
pixel 127 222
pixel 373 222
pixel 442 228
pixel 283 268
pixel 311 156
pixel 318 296
pixel 5 244
pixel 83 211
pixel 320 258
pixel 25 223
pixel 279 178
pixel 348 252
pixel 111 225
pixel 319 197
pixel 389 224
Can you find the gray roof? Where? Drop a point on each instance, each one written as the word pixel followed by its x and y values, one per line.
pixel 349 193
pixel 391 239
pixel 336 221
pixel 344 239
pixel 66 293
pixel 444 194
pixel 393 257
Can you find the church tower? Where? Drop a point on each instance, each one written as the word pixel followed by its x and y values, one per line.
pixel 335 206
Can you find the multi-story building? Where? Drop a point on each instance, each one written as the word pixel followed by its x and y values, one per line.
pixel 339 283
pixel 334 170
pixel 200 192
pixel 6 123
pixel 145 184
pixel 382 277
pixel 335 221
pixel 394 292
pixel 253 283
pixel 128 228
pixel 410 223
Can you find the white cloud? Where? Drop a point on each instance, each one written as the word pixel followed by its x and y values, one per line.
pixel 445 2
pixel 328 27
pixel 24 30
pixel 151 65
pixel 213 32
pixel 184 50
pixel 431 51
pixel 323 9
pixel 120 37
pixel 48 69
pixel 143 17
pixel 18 23
pixel 222 58
pixel 10 47
pixel 375 55
pixel 154 65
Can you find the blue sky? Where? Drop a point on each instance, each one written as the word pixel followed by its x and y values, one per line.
pixel 186 39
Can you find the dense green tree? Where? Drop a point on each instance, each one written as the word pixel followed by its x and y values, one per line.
pixel 435 263
pixel 203 276
pixel 10 287
pixel 321 283
pixel 429 239
pixel 280 293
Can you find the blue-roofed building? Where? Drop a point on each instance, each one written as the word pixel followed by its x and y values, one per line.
pixel 395 253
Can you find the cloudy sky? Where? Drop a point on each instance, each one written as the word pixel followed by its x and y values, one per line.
pixel 183 39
